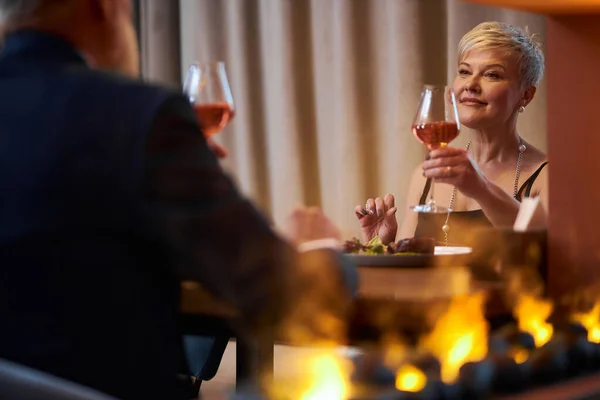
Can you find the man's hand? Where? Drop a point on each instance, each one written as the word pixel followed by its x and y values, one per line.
pixel 308 224
pixel 220 151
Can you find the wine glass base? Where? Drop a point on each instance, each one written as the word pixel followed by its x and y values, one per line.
pixel 431 209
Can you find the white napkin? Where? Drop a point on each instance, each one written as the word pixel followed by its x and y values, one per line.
pixel 526 210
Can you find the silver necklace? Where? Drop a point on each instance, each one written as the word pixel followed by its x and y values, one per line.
pixel 521 149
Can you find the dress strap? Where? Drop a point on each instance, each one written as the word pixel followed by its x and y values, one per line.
pixel 425 191
pixel 528 184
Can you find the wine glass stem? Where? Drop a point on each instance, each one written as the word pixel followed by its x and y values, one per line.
pixel 431 202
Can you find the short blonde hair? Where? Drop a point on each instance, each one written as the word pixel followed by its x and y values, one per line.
pixel 499 35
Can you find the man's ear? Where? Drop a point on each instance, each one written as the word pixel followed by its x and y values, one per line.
pixel 528 95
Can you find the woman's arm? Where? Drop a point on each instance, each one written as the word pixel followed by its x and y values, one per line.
pixel 502 209
pixel 498 206
pixel 455 167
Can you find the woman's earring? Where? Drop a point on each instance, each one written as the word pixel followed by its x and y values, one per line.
pixel 521 109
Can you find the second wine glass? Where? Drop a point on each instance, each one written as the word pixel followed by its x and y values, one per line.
pixel 435 125
pixel 207 88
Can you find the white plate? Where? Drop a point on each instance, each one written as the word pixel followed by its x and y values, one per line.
pixel 443 255
pixel 451 250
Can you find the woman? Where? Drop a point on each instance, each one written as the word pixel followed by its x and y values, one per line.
pixel 499 68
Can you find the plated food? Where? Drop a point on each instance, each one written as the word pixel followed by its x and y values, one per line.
pixel 415 252
pixel 411 246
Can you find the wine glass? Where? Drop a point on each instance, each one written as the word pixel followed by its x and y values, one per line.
pixel 435 125
pixel 207 87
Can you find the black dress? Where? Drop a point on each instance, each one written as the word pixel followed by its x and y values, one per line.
pixel 464 225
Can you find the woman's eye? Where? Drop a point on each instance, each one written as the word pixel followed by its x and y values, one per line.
pixel 492 75
pixel 463 72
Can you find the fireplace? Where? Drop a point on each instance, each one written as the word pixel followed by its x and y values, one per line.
pixel 460 358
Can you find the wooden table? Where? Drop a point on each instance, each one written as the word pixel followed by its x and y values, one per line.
pixel 399 287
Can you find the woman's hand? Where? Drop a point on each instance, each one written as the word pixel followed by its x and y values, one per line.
pixel 454 166
pixel 378 218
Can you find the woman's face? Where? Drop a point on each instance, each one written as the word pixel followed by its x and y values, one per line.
pixel 488 89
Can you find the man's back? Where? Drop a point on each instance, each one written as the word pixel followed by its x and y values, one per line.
pixel 73 226
pixel 109 195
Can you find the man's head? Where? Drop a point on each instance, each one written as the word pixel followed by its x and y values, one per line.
pixel 11 9
pixel 101 29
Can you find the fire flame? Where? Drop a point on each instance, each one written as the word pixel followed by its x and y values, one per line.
pixel 395 350
pixel 591 322
pixel 519 355
pixel 410 379
pixel 532 314
pixel 327 379
pixel 459 336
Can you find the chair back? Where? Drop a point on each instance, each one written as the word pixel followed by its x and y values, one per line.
pixel 18 382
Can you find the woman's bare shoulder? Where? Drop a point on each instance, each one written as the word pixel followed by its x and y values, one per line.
pixel 533 157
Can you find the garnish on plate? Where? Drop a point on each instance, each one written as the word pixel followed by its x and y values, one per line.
pixel 410 246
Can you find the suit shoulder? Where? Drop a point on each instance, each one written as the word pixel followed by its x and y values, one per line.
pixel 119 85
pixel 124 98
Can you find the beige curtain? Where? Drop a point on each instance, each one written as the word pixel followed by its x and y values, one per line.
pixel 325 90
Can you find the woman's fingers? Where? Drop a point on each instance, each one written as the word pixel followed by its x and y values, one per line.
pixel 446 152
pixel 380 207
pixel 448 171
pixel 444 162
pixel 377 207
pixel 390 218
pixel 370 206
pixel 360 211
pixel 389 201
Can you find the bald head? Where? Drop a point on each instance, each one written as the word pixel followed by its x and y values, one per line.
pixel 18 13
pixel 13 10
pixel 102 30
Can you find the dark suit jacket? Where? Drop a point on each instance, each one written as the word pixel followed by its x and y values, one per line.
pixel 109 196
